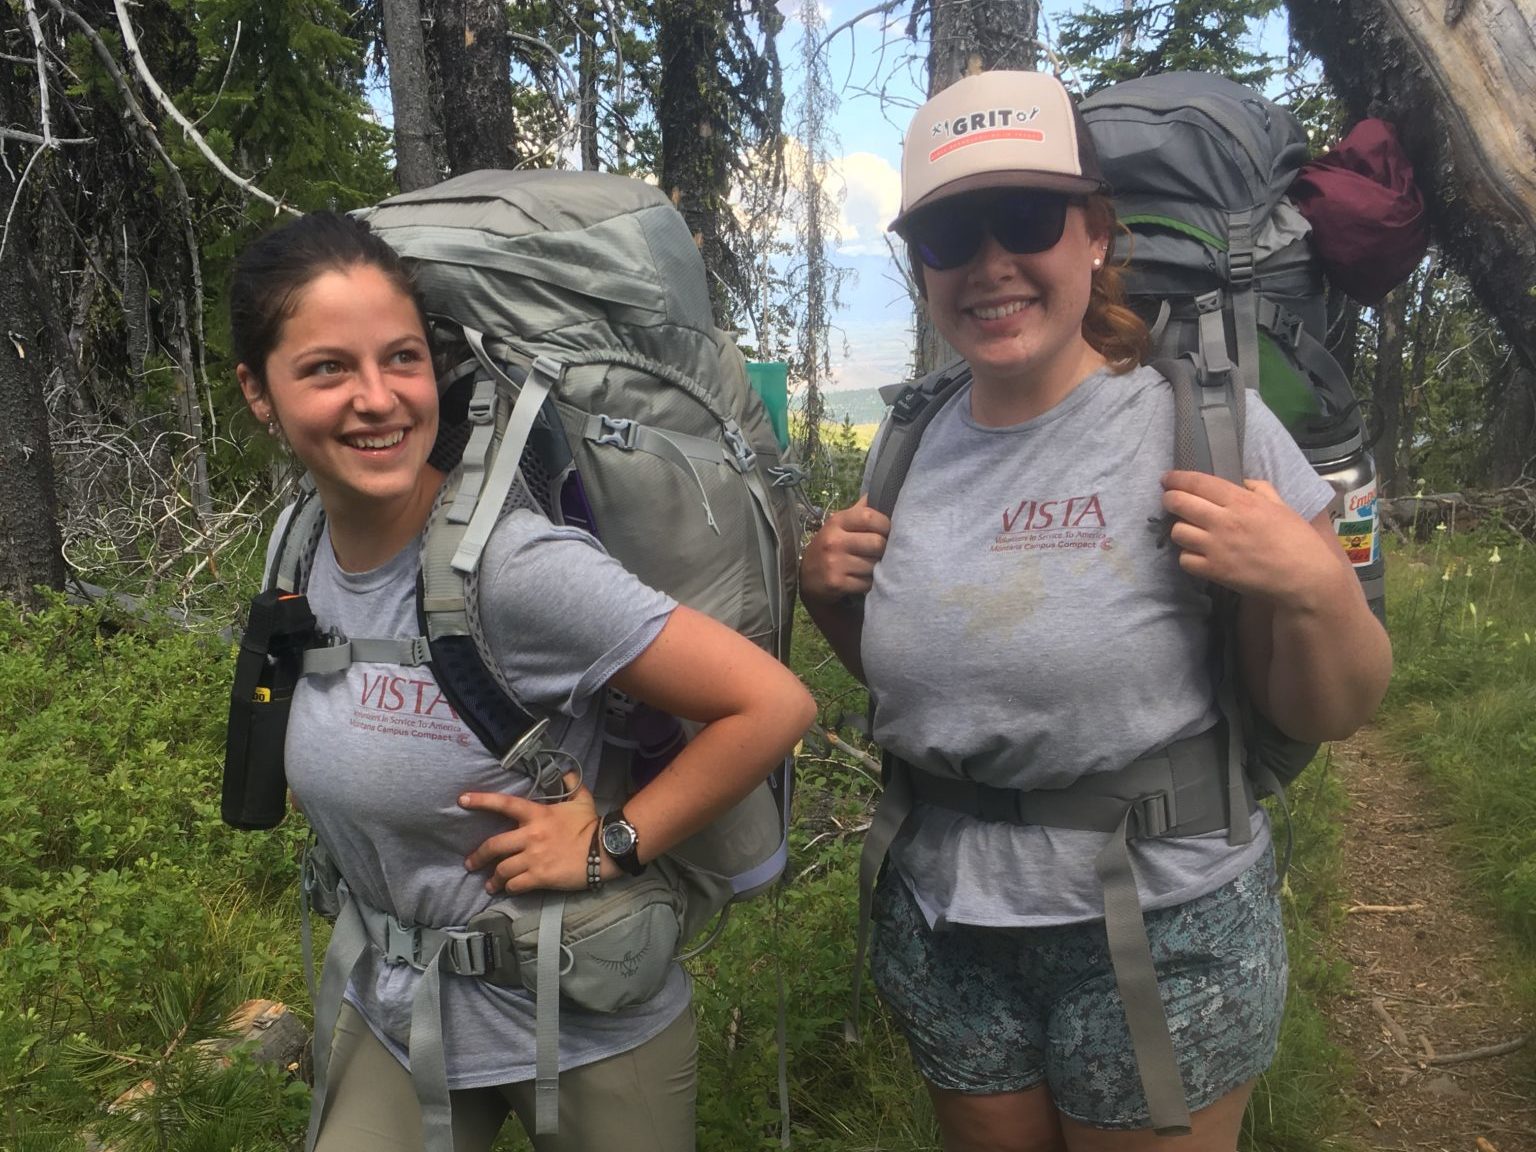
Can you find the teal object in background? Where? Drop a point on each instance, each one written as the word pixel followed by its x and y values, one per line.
pixel 770 380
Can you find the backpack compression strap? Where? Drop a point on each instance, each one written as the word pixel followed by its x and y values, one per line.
pixel 1240 268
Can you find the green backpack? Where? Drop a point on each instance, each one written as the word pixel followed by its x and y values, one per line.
pixel 1223 268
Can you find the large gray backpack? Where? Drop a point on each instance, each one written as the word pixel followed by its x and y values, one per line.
pixel 1223 269
pixel 582 377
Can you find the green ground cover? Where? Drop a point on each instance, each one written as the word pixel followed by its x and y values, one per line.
pixel 132 920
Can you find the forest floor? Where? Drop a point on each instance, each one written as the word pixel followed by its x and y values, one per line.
pixel 1430 1005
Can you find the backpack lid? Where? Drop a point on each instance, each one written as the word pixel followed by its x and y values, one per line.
pixel 566 257
pixel 1193 148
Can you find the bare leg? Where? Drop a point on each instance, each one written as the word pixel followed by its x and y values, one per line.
pixel 998 1122
pixel 1212 1129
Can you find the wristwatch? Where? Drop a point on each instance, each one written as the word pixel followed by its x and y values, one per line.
pixel 622 842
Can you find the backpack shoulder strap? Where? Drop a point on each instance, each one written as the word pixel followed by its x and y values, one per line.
pixel 502 412
pixel 295 554
pixel 914 408
pixel 1208 418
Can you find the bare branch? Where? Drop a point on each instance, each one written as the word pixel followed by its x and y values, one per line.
pixel 885 9
pixel 29 138
pixel 234 50
pixel 546 46
pixel 42 75
pixel 1482 1053
pixel 131 45
pixel 5 233
pixel 125 515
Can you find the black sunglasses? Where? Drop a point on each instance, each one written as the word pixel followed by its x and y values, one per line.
pixel 1023 220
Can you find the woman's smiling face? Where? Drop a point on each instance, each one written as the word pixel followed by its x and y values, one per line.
pixel 350 382
pixel 1018 319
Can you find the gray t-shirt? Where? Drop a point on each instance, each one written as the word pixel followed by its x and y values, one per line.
pixel 377 759
pixel 1025 629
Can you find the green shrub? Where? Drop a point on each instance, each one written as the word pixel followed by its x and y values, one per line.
pixel 132 920
pixel 116 877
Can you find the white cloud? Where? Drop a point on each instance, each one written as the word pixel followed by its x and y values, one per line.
pixel 871 198
pixel 866 189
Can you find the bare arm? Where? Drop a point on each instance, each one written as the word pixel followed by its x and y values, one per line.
pixel 753 710
pixel 1315 660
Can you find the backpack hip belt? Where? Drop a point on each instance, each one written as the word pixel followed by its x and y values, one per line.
pixel 605 950
pixel 1186 789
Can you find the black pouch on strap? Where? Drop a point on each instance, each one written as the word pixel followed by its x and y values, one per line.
pixel 267 669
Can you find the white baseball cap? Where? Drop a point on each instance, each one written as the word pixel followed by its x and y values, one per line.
pixel 996 130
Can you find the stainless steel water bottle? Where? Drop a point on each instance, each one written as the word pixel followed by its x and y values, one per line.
pixel 1340 456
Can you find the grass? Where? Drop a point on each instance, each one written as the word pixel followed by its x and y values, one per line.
pixel 1463 703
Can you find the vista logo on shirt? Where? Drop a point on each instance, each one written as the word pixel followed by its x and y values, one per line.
pixel 1069 522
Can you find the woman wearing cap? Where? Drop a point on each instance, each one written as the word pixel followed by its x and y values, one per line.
pixel 1021 630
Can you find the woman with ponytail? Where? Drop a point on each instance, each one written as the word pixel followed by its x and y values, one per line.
pixel 1036 611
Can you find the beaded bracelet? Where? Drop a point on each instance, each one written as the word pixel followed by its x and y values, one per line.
pixel 595 860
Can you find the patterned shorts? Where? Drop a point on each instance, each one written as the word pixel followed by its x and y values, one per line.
pixel 989 1010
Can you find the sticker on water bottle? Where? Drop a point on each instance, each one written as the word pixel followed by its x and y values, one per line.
pixel 1357 528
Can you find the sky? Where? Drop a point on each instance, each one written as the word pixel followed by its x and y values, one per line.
pixel 878 76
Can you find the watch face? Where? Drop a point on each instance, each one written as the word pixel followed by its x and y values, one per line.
pixel 618 838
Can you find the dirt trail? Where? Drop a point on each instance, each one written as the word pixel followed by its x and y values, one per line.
pixel 1428 978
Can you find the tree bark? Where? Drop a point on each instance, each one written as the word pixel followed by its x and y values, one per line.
pixel 980 36
pixel 419 150
pixel 31 547
pixel 470 42
pixel 968 36
pixel 1413 392
pixel 587 77
pixel 1457 80
pixel 695 165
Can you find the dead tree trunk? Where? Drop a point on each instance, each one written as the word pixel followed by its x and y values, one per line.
pixel 31 545
pixel 30 541
pixel 471 45
pixel 1459 82
pixel 418 142
pixel 1388 391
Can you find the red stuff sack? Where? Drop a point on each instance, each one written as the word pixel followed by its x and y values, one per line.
pixel 1366 212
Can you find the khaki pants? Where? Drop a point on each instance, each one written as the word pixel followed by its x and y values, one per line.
pixel 639 1101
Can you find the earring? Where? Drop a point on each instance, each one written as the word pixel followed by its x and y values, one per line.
pixel 1098 261
pixel 271 427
